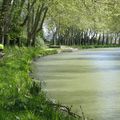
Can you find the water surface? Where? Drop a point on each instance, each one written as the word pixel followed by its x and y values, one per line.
pixel 90 78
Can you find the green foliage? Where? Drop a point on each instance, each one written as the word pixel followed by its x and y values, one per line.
pixel 25 19
pixel 40 41
pixel 35 88
pixel 22 98
pixel 1 46
pixel 100 15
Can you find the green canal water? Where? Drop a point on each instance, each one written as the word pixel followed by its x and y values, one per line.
pixel 90 78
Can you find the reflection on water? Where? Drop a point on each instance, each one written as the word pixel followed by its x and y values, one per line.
pixel 89 78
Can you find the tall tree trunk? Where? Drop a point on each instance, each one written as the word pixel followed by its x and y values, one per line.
pixel 4 19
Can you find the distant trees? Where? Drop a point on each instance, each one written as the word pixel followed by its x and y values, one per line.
pixel 76 21
pixel 76 36
pixel 87 22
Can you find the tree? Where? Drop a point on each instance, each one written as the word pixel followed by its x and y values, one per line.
pixel 92 17
pixel 4 18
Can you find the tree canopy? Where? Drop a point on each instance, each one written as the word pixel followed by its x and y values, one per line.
pixel 22 20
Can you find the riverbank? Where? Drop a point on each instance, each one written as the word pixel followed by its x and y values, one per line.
pixel 95 46
pixel 21 97
pixel 75 48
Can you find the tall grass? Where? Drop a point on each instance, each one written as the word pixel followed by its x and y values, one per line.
pixel 22 98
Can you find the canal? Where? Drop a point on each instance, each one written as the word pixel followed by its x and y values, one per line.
pixel 90 78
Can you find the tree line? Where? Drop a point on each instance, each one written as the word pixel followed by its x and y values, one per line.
pixel 80 22
pixel 76 36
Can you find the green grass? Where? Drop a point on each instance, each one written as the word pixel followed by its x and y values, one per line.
pixel 95 46
pixel 21 97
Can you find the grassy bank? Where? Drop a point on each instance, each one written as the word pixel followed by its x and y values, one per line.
pixel 22 98
pixel 94 46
